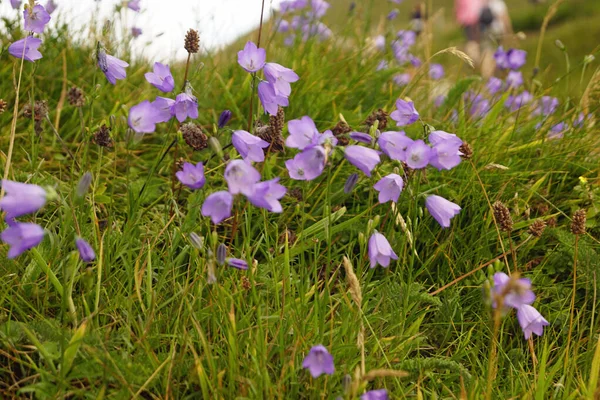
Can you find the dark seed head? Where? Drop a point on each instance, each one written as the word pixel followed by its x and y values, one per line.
pixel 537 228
pixel 102 137
pixel 76 97
pixel 39 111
pixel 192 41
pixel 193 136
pixel 3 106
pixel 502 215
pixel 466 151
pixel 381 116
pixel 578 223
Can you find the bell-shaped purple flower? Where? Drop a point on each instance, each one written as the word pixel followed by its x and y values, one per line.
pixel 494 85
pixel 15 4
pixel 237 263
pixel 142 117
pixel 558 131
pixel 161 78
pixel 516 58
pixel 531 321
pixel 363 158
pixel 21 237
pixel 546 106
pixel 280 77
pixel 185 106
pixel 361 137
pixel 405 114
pixel 394 144
pixel 224 118
pixel 249 146
pixel 418 154
pixel 308 164
pixel 380 251
pixel 319 8
pixel 36 18
pixel 516 102
pixel 162 109
pixel 514 79
pixel 51 6
pixel 192 175
pixel 21 199
pixel 441 209
pixel 269 99
pixel 134 5
pixel 303 133
pixel 517 293
pixel 267 195
pixel 26 49
pixel 402 79
pixel 500 58
pixel 445 155
pixel 350 183
pixel 378 394
pixel 436 137
pixel 436 71
pixel 112 67
pixel 241 177
pixel 389 188
pixel 217 206
pixel 252 58
pixel 86 252
pixel 319 361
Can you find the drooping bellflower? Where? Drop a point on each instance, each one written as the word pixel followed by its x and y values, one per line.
pixel 267 195
pixel 363 158
pixel 303 133
pixel 112 67
pixel 318 361
pixel 514 293
pixel 134 5
pixel 86 252
pixel 51 6
pixel 36 18
pixel 21 237
pixel 249 146
pixel 380 251
pixel 405 114
pixel 21 199
pixel 161 78
pixel 163 107
pixel 436 71
pixel 241 177
pixel 394 144
pixel 185 106
pixel 237 263
pixel 308 164
pixel 389 188
pixel 418 154
pixel 142 117
pixel 217 206
pixel 224 118
pixel 269 99
pixel 531 321
pixel 26 49
pixel 379 394
pixel 441 209
pixel 192 175
pixel 280 77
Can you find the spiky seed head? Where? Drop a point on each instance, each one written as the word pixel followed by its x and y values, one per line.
pixel 192 41
pixel 578 223
pixel 502 215
pixel 76 97
pixel 537 228
pixel 193 136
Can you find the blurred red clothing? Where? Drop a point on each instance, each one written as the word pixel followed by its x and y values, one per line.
pixel 468 11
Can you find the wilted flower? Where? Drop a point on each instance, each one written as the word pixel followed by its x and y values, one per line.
pixel 280 77
pixel 21 237
pixel 269 99
pixel 112 67
pixel 21 199
pixel 389 188
pixel 192 175
pixel 394 144
pixel 319 361
pixel 237 263
pixel 418 154
pixel 308 164
pixel 134 5
pixel 217 206
pixel 436 71
pixel 249 146
pixel 363 158
pixel 267 194
pixel 441 209
pixel 241 177
pixel 379 394
pixel 185 106
pixel 142 117
pixel 161 78
pixel 380 251
pixel 86 252
pixel 36 18
pixel 531 321
pixel 405 114
pixel 252 58
pixel 26 49
pixel 224 118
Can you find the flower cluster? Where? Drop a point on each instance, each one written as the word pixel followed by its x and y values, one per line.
pixel 305 22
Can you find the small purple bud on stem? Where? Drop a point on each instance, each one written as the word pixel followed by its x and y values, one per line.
pixel 84 184
pixel 350 183
pixel 224 118
pixel 221 254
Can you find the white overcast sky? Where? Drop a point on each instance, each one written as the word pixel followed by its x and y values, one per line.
pixel 219 21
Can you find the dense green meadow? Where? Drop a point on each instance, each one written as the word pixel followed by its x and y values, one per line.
pixel 154 316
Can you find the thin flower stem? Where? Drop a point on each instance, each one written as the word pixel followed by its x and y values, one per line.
pixel 493 358
pixel 62 142
pixel 251 116
pixel 572 307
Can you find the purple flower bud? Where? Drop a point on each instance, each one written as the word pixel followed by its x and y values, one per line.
pixel 307 165
pixel 21 237
pixel 197 240
pixel 84 184
pixel 394 144
pixel 441 209
pixel 21 199
pixel 192 175
pixel 237 263
pixel 350 183
pixel 531 321
pixel 361 137
pixel 252 58
pixel 379 394
pixel 221 254
pixel 267 195
pixel 36 18
pixel 405 114
pixel 418 154
pixel 161 78
pixel 217 206
pixel 224 118
pixel 86 252
pixel 393 14
pixel 241 177
pixel 380 251
pixel 363 158
pixel 26 49
pixel 142 117
pixel 249 146
pixel 15 4
pixel 389 188
pixel 112 67
pixel 319 361
pixel 520 291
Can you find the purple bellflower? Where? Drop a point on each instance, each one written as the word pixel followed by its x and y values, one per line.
pixel 252 58
pixel 516 102
pixel 379 394
pixel 161 78
pixel 267 195
pixel 112 67
pixel 494 85
pixel 363 158
pixel 192 175
pixel 224 118
pixel 516 58
pixel 86 252
pixel 389 188
pixel 303 133
pixel 142 117
pixel 185 106
pixel 361 137
pixel 445 155
pixel 36 18
pixel 15 4
pixel 21 199
pixel 379 42
pixel 514 79
pixel 241 177
pixel 249 146
pixel 162 109
pixel 134 5
pixel 269 99
pixel 319 361
pixel 405 114
pixel 308 164
pixel 135 31
pixel 558 131
pixel 21 237
pixel 436 137
pixel 500 58
pixel 51 6
pixel 393 14
pixel 418 154
pixel 547 106
pixel 516 294
pixel 26 49
pixel 394 144
pixel 350 183
pixel 319 8
pixel 380 251
pixel 280 77
pixel 441 209
pixel 237 263
pixel 217 206
pixel 436 71
pixel 401 79
pixel 531 321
